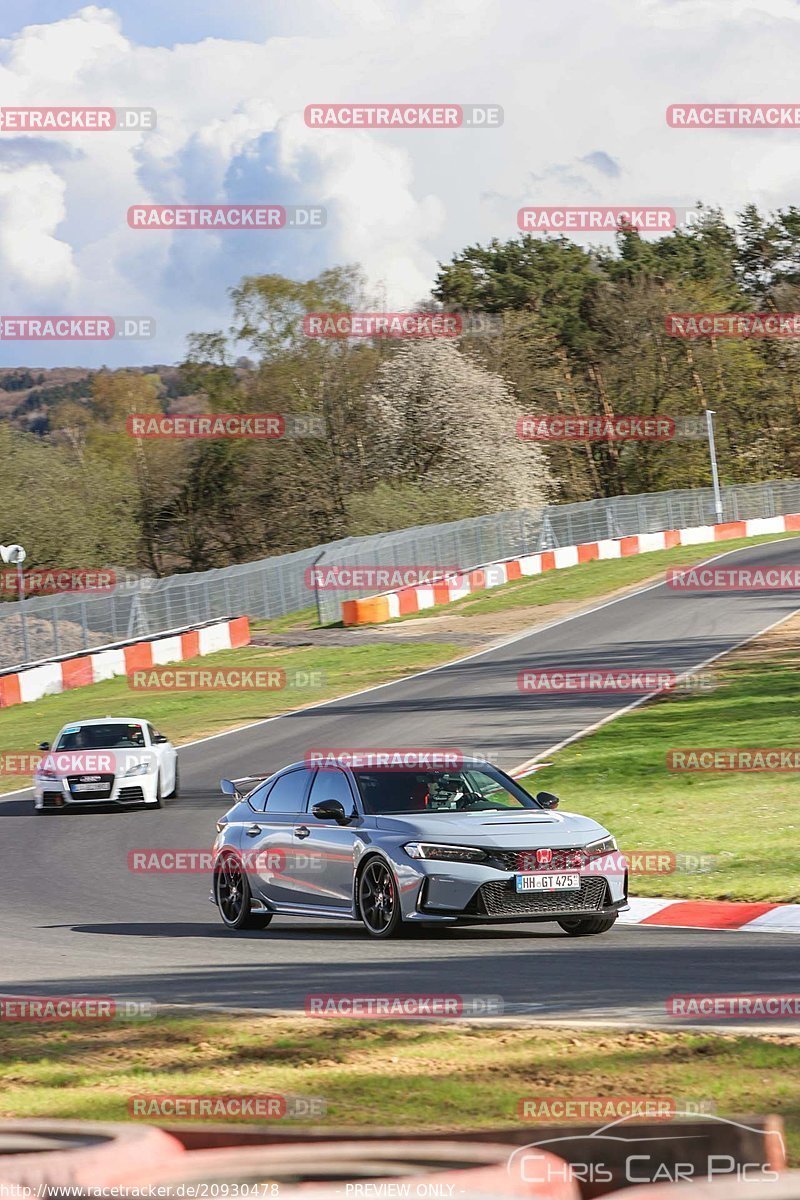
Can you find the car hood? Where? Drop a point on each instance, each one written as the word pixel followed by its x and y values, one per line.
pixel 504 831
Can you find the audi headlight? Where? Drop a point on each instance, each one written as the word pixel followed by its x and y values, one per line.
pixel 605 846
pixel 430 850
pixel 139 769
pixel 50 775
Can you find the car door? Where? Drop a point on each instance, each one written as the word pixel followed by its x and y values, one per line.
pixel 166 757
pixel 267 843
pixel 323 850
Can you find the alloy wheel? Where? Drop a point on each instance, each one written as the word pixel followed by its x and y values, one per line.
pixel 378 897
pixel 230 889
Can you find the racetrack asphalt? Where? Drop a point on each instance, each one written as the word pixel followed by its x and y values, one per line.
pixel 77 921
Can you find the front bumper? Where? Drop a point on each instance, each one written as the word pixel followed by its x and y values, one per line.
pixel 118 790
pixel 441 892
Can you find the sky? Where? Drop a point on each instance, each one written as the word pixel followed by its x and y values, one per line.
pixel 584 88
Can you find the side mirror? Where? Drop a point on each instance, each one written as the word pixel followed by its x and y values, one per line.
pixel 159 739
pixel 547 799
pixel 227 788
pixel 330 810
pixel 44 745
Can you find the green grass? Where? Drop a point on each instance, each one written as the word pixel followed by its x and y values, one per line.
pixel 750 822
pixel 436 1076
pixel 586 581
pixel 304 618
pixel 187 715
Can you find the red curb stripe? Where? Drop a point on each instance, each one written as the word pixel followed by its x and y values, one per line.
pixel 9 690
pixel 240 632
pixel 138 657
pixel 77 672
pixel 407 599
pixel 190 644
pixel 708 914
pixel 730 529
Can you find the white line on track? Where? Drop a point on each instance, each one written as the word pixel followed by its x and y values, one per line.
pixel 513 1020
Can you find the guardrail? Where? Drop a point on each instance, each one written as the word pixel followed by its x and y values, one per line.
pixel 78 670
pixel 370 610
pixel 274 587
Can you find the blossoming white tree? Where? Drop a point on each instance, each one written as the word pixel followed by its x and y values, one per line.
pixel 442 420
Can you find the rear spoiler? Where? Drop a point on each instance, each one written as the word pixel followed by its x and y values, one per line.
pixel 240 787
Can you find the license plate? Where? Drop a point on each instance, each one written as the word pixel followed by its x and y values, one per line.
pixel 548 883
pixel 100 789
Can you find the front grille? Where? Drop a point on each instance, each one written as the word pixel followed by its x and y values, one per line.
pixel 502 900
pixel 569 858
pixel 131 795
pixel 93 787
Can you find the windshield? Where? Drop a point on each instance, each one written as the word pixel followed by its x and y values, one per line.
pixel 469 790
pixel 101 737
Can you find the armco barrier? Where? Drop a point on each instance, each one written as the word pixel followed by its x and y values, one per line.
pixel 369 610
pixel 63 674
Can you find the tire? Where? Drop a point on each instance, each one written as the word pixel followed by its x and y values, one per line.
pixel 176 789
pixel 159 803
pixel 235 912
pixel 586 926
pixel 379 900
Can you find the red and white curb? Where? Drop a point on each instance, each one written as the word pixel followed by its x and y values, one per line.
pixel 370 610
pixel 741 916
pixel 61 675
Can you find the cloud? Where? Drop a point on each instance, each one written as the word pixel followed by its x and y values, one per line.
pixel 602 162
pixel 571 78
pixel 34 261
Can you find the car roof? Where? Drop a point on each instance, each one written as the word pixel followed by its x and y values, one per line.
pixel 465 762
pixel 107 721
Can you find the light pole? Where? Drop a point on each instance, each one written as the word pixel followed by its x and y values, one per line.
pixel 714 472
pixel 16 555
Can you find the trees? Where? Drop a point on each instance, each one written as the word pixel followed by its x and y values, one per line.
pixel 584 334
pixel 66 512
pixel 421 431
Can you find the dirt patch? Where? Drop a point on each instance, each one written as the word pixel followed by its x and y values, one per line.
pixel 41 639
pixel 775 643
pixel 457 624
pixel 489 627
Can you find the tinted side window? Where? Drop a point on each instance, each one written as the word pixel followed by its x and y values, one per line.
pixel 331 784
pixel 288 793
pixel 256 799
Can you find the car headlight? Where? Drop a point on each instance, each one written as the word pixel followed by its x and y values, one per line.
pixel 139 769
pixel 444 853
pixel 49 775
pixel 605 846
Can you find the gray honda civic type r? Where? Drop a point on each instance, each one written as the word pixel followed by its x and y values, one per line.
pixel 395 848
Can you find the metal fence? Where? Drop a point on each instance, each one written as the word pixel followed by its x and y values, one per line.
pixel 273 587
